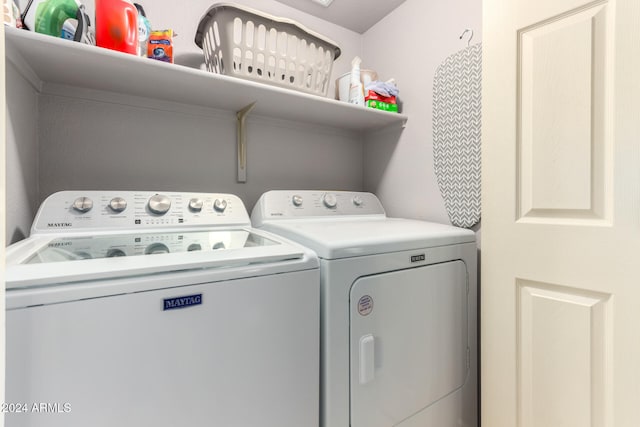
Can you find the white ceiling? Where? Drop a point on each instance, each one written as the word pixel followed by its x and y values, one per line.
pixel 356 15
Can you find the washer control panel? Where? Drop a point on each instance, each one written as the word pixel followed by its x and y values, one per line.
pixel 109 210
pixel 287 204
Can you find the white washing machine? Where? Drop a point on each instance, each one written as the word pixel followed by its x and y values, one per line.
pixel 137 309
pixel 398 310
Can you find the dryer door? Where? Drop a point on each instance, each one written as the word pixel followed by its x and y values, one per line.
pixel 408 341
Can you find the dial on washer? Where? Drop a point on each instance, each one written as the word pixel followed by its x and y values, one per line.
pixel 118 204
pixel 195 204
pixel 82 204
pixel 159 204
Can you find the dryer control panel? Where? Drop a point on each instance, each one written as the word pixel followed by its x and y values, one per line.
pixel 112 210
pixel 286 204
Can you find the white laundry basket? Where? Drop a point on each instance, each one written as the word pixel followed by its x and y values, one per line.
pixel 245 43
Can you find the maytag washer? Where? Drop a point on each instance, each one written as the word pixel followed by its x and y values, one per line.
pixel 398 309
pixel 146 309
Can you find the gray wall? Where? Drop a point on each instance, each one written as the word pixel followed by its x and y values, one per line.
pixel 87 144
pixel 21 172
pixel 408 45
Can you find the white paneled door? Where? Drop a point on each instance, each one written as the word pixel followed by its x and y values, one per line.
pixel 561 213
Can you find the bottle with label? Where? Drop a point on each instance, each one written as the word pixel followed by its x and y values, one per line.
pixel 48 17
pixel 117 25
pixel 356 89
pixel 144 29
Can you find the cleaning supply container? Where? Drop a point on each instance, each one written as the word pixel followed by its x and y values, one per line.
pixel 144 30
pixel 48 16
pixel 242 42
pixel 343 83
pixel 117 25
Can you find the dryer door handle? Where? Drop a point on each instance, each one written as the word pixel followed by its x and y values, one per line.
pixel 367 359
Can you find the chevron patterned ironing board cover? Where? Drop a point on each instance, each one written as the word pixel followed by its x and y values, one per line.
pixel 456 134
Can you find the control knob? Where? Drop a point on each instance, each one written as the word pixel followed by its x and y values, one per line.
pixel 220 205
pixel 195 205
pixel 330 200
pixel 118 204
pixel 357 200
pixel 82 204
pixel 296 200
pixel 159 204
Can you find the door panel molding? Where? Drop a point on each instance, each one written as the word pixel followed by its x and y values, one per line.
pixel 564 89
pixel 564 337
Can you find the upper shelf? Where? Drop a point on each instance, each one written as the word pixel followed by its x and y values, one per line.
pixel 59 61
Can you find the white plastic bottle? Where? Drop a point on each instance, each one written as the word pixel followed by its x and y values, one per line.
pixel 144 29
pixel 356 91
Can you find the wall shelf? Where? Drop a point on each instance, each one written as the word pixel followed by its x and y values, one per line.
pixel 50 60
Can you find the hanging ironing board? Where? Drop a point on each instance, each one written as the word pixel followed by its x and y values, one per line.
pixel 456 134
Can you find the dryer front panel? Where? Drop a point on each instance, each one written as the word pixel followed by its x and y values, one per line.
pixel 408 342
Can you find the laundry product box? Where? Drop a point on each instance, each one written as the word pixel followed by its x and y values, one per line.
pixel 371 95
pixel 384 106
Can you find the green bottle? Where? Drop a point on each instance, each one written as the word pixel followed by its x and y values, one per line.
pixel 51 14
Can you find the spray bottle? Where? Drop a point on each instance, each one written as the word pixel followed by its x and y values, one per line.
pixel 356 91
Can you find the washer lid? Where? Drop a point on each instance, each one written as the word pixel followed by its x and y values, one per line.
pixel 336 238
pixel 42 261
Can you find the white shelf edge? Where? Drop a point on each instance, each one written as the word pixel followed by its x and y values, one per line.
pixel 45 59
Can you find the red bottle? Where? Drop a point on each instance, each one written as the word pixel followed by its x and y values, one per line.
pixel 117 25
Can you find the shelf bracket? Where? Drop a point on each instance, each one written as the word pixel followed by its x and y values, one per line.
pixel 242 141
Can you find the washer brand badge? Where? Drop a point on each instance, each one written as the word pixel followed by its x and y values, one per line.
pixel 418 258
pixel 365 305
pixel 182 302
pixel 59 224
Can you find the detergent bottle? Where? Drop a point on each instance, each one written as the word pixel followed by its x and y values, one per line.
pixel 48 17
pixel 117 25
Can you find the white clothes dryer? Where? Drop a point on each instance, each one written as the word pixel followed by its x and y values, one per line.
pixel 398 310
pixel 144 309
